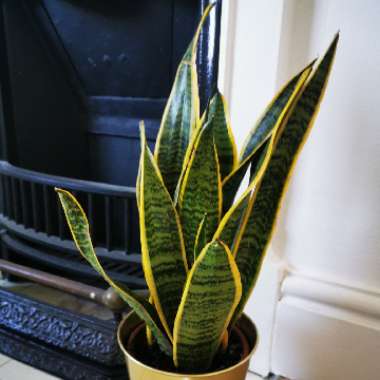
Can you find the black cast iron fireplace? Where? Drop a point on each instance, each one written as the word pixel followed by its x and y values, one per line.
pixel 76 77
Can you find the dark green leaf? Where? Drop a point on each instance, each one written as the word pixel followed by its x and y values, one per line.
pixel 80 231
pixel 201 191
pixel 213 289
pixel 162 245
pixel 272 118
pixel 181 116
pixel 266 204
pixel 217 115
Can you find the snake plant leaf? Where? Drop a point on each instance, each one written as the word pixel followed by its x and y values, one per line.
pixel 162 245
pixel 217 114
pixel 227 229
pixel 280 103
pixel 201 191
pixel 233 223
pixel 234 220
pixel 225 341
pixel 223 138
pixel 258 160
pixel 80 231
pixel 181 115
pixel 148 331
pixel 186 162
pixel 201 238
pixel 231 185
pixel 266 202
pixel 273 116
pixel 138 181
pixel 212 292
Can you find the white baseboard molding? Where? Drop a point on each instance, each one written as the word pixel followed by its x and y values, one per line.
pixel 326 331
pixel 261 308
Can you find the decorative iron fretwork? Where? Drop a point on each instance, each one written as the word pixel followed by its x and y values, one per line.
pixel 55 362
pixel 81 335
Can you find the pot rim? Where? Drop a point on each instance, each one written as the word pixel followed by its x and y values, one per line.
pixel 175 374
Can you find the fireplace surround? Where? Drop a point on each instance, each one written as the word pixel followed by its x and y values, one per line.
pixel 76 78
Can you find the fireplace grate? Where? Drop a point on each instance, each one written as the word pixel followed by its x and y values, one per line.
pixel 34 226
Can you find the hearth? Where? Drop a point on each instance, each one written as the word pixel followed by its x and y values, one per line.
pixel 76 78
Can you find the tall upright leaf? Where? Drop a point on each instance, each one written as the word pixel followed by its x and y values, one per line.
pixel 201 191
pixel 264 126
pixel 231 222
pixel 181 115
pixel 266 202
pixel 162 246
pixel 232 183
pixel 234 220
pixel 212 292
pixel 269 121
pixel 80 231
pixel 217 114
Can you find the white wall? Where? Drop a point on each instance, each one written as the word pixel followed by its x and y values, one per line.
pixel 327 323
pixel 324 322
pixel 250 63
pixel 333 220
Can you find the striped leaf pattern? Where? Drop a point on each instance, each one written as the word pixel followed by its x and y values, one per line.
pixel 186 162
pixel 231 221
pixel 201 238
pixel 290 139
pixel 181 116
pixel 258 160
pixel 235 219
pixel 179 120
pixel 217 114
pixel 213 289
pixel 80 231
pixel 232 183
pixel 264 127
pixel 271 119
pixel 163 251
pixel 201 191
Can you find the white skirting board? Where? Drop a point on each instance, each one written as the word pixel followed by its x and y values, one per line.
pixel 326 331
pixel 261 309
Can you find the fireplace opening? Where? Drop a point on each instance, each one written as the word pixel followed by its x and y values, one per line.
pixel 76 77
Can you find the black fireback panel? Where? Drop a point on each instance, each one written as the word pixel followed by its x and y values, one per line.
pixel 125 45
pixel 78 76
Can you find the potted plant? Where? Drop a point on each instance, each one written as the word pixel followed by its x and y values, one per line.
pixel 201 249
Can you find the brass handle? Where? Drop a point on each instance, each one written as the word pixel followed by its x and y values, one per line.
pixel 106 298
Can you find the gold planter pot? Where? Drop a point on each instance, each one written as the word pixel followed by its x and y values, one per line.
pixel 140 371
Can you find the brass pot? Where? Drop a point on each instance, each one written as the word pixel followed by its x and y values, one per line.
pixel 140 371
